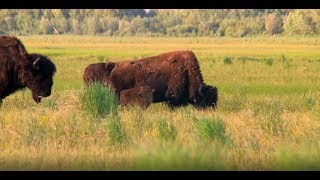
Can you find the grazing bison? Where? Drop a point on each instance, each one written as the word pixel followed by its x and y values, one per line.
pixel 175 76
pixel 18 70
pixel 99 72
pixel 141 96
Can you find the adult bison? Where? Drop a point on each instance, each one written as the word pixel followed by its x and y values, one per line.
pixel 175 76
pixel 18 70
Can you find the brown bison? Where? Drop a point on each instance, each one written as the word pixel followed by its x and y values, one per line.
pixel 99 72
pixel 175 76
pixel 141 96
pixel 18 70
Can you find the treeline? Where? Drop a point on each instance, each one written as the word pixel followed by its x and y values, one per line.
pixel 166 22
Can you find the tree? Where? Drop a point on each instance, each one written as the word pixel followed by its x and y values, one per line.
pixel 273 24
pixel 59 21
pixel 45 26
pixel 75 27
pixel 300 22
pixel 25 22
pixel 90 25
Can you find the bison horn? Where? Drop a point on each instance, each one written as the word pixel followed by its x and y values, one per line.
pixel 35 66
pixel 200 90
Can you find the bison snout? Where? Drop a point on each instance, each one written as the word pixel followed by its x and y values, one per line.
pixel 47 94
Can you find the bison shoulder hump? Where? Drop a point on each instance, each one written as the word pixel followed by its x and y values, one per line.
pixel 7 41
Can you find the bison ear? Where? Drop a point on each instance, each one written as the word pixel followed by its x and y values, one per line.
pixel 110 66
pixel 36 64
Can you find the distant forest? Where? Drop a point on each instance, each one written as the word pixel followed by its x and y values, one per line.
pixel 161 22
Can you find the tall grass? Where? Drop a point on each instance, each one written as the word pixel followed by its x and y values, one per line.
pixel 99 101
pixel 227 60
pixel 211 129
pixel 116 133
pixel 166 131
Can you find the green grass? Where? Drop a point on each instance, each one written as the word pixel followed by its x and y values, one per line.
pixel 99 101
pixel 166 132
pixel 269 61
pixel 211 129
pixel 267 116
pixel 115 131
pixel 227 60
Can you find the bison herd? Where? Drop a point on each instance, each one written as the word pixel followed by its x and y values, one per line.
pixel 172 77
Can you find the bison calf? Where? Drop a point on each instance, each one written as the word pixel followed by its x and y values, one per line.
pixel 99 72
pixel 141 96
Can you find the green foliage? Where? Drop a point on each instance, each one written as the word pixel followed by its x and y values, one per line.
pixel 166 131
pixel 298 158
pixel 211 129
pixel 309 102
pixel 272 111
pixel 285 61
pixel 227 60
pixel 302 22
pixel 116 133
pixel 137 22
pixel 99 101
pixel 174 157
pixel 268 61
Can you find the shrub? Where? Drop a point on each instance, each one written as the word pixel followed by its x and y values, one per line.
pixel 227 60
pixel 99 101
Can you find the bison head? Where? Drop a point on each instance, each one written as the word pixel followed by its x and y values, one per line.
pixel 147 93
pixel 109 66
pixel 207 97
pixel 37 74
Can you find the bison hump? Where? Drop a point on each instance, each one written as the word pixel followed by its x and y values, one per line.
pixel 7 41
pixel 11 41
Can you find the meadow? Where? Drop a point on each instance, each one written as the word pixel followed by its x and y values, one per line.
pixel 268 115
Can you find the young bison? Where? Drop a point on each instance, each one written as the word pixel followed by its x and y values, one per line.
pixel 141 96
pixel 98 72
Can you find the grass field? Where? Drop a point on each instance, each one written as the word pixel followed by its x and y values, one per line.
pixel 268 115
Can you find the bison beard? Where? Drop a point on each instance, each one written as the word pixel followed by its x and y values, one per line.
pixel 18 70
pixel 175 76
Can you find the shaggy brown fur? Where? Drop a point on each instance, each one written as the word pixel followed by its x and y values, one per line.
pixel 99 72
pixel 175 76
pixel 141 96
pixel 18 70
